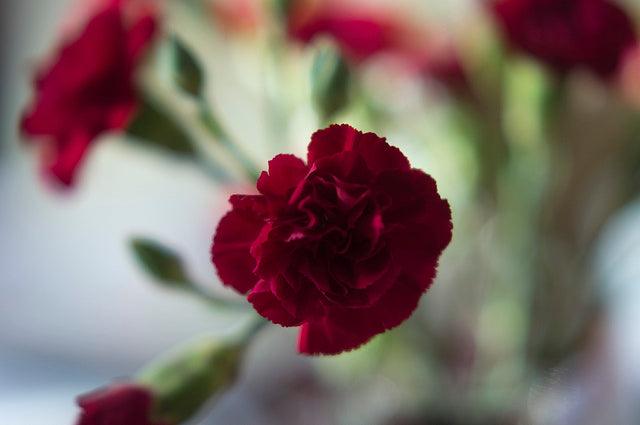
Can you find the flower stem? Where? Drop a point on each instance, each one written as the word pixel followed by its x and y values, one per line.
pixel 214 300
pixel 158 123
pixel 255 327
pixel 212 168
pixel 213 126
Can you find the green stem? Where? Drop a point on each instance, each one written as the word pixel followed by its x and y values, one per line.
pixel 255 327
pixel 212 167
pixel 159 125
pixel 213 300
pixel 211 123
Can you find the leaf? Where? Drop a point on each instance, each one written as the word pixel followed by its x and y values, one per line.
pixel 186 70
pixel 160 262
pixel 153 126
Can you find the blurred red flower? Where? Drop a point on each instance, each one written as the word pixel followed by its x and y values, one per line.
pixel 360 32
pixel 343 246
pixel 117 404
pixel 567 34
pixel 364 32
pixel 239 16
pixel 629 81
pixel 88 88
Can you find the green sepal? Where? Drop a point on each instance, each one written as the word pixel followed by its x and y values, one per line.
pixel 330 82
pixel 184 382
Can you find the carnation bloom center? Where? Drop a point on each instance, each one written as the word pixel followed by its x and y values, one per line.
pixel 342 217
pixel 335 232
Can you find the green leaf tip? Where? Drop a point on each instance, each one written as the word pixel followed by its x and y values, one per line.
pixel 160 262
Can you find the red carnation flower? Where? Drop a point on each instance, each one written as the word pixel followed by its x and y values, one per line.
pixel 567 34
pixel 89 87
pixel 118 404
pixel 343 246
pixel 360 32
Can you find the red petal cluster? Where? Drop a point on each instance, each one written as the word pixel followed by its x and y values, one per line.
pixel 343 246
pixel 89 86
pixel 118 404
pixel 566 34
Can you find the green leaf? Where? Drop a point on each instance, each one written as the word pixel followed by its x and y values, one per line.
pixel 160 262
pixel 185 68
pixel 153 126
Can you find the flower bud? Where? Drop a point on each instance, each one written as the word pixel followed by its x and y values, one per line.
pixel 171 389
pixel 330 80
pixel 160 262
pixel 121 403
pixel 183 382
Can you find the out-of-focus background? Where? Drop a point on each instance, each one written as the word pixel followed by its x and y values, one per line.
pixel 76 311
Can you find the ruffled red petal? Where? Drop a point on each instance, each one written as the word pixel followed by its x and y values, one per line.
pixel 345 166
pixel 376 152
pixel 65 161
pixel 418 221
pixel 285 172
pixel 232 243
pixel 269 307
pixel 346 329
pixel 140 34
pixel 409 196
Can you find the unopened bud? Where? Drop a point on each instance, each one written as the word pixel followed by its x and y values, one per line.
pixel 124 403
pixel 330 81
pixel 183 382
pixel 160 262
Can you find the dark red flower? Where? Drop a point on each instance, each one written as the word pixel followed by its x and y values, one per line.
pixel 567 34
pixel 343 246
pixel 360 32
pixel 89 87
pixel 117 404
